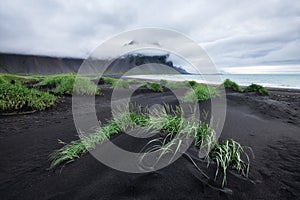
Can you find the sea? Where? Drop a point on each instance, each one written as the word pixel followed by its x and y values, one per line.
pixel 267 80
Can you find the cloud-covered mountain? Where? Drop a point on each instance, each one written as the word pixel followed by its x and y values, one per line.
pixel 32 64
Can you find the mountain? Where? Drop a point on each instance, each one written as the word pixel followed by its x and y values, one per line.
pixel 33 64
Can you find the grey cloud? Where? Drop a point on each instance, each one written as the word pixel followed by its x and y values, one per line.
pixel 234 33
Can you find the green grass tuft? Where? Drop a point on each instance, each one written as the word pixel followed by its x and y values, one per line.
pixel 193 83
pixel 120 84
pixel 133 81
pixel 155 87
pixel 18 79
pixel 228 154
pixel 109 80
pixel 257 88
pixel 16 97
pixel 232 85
pixel 199 93
pixel 116 83
pixel 64 84
pixel 163 82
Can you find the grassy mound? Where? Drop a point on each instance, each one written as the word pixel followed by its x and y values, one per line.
pixel 18 79
pixel 199 93
pixel 155 87
pixel 14 97
pixel 109 80
pixel 116 83
pixel 163 82
pixel 193 83
pixel 120 84
pixel 232 85
pixel 227 154
pixel 63 84
pixel 257 88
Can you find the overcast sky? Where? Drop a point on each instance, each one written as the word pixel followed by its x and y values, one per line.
pixel 234 33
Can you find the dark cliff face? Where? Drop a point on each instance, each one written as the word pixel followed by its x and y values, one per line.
pixel 30 64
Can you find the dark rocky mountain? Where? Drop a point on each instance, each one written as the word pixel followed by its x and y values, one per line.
pixel 32 64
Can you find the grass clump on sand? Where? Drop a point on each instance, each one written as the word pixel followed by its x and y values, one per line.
pixel 163 82
pixel 74 149
pixel 133 81
pixel 228 154
pixel 116 83
pixel 120 84
pixel 18 79
pixel 109 80
pixel 199 93
pixel 177 84
pixel 15 97
pixel 232 85
pixel 257 88
pixel 64 84
pixel 193 83
pixel 155 87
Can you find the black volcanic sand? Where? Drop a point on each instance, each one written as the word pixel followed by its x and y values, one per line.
pixel 269 125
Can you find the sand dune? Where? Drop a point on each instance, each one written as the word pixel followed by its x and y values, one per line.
pixel 261 123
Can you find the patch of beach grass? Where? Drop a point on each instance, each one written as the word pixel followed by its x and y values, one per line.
pixel 120 84
pixel 257 88
pixel 116 83
pixel 229 154
pixel 163 82
pixel 14 97
pixel 199 93
pixel 155 87
pixel 109 80
pixel 18 79
pixel 232 85
pixel 64 84
pixel 193 83
pixel 133 81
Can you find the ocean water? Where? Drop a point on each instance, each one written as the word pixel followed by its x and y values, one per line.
pixel 266 80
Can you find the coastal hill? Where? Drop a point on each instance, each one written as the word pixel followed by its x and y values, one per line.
pixel 33 64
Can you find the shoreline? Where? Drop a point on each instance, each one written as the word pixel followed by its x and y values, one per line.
pixel 186 78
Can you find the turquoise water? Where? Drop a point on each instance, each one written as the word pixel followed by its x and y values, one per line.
pixel 267 80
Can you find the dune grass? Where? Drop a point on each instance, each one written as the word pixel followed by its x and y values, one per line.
pixel 14 97
pixel 109 80
pixel 64 84
pixel 226 154
pixel 116 83
pixel 120 84
pixel 155 87
pixel 163 82
pixel 257 88
pixel 18 79
pixel 232 85
pixel 199 93
pixel 193 83
pixel 133 81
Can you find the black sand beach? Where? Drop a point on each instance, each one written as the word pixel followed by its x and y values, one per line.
pixel 269 125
